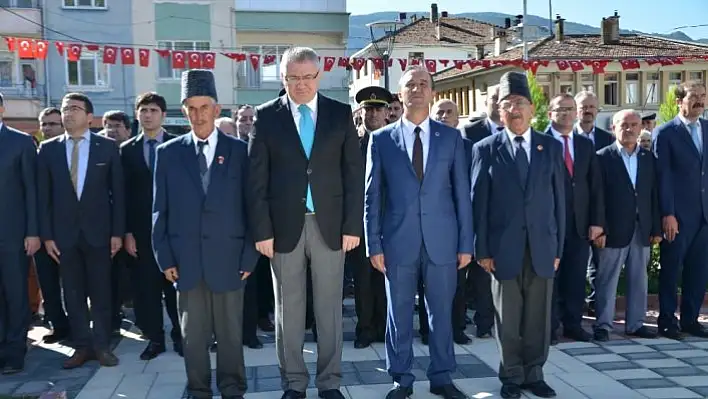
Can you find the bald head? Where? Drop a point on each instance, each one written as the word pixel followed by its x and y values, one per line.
pixel 226 125
pixel 445 111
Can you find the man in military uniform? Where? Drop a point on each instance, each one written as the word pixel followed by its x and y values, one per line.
pixel 649 121
pixel 369 283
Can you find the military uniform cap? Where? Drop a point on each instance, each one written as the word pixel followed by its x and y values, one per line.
pixel 648 116
pixel 198 82
pixel 373 96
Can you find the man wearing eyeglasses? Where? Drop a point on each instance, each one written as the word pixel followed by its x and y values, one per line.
pixel 82 222
pixel 306 205
pixel 585 218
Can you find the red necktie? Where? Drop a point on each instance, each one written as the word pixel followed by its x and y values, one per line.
pixel 566 156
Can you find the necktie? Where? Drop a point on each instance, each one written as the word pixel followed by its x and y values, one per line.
pixel 522 160
pixel 566 155
pixel 151 154
pixel 417 157
pixel 201 158
pixel 307 137
pixel 74 167
pixel 695 135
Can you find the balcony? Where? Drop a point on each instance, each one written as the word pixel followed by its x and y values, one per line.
pixel 292 5
pixel 22 91
pixel 22 18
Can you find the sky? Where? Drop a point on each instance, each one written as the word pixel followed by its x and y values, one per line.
pixel 651 16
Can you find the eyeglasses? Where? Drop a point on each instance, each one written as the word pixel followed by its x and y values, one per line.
pixel 562 110
pixel 72 108
pixel 507 105
pixel 307 78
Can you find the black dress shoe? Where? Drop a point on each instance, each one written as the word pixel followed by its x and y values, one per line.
pixel 510 391
pixel 330 394
pixel 554 339
pixel 253 343
pixel 696 329
pixel 578 334
pixel 293 394
pixel 266 325
pixel 177 347
pixel 461 338
pixel 362 342
pixel 448 391
pixel 399 392
pixel 13 368
pixel 642 332
pixel 56 336
pixel 424 338
pixel 671 333
pixel 153 350
pixel 601 335
pixel 540 389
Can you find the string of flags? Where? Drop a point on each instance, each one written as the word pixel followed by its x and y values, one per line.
pixel 180 59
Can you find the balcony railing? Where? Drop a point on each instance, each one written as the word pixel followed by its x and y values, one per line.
pixel 21 3
pixel 22 91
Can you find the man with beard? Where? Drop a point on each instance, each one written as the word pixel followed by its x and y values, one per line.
pixel 518 201
pixel 395 109
pixel 369 284
pixel 682 163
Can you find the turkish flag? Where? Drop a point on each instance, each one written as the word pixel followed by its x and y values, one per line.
pixel 378 63
pixel 343 62
pixel 328 63
pixel 598 66
pixel 11 41
pixel 74 52
pixel 92 47
pixel 25 48
pixel 269 59
pixel 178 61
pixel 630 64
pixel 208 60
pixel 40 49
pixel 576 66
pixel 127 56
pixel 562 65
pixel 431 65
pixel 60 48
pixel 403 63
pixel 255 60
pixel 109 54
pixel 163 53
pixel 144 56
pixel 195 59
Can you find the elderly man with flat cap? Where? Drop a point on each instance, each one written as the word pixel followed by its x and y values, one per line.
pixel 369 283
pixel 201 239
pixel 518 202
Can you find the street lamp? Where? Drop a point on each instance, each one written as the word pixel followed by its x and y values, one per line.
pixel 389 28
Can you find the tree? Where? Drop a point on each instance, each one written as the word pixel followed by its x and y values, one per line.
pixel 669 108
pixel 538 98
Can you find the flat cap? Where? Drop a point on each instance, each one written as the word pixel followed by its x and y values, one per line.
pixel 198 82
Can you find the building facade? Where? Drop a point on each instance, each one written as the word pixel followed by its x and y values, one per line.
pixel 622 84
pixel 22 81
pixel 270 27
pixel 92 23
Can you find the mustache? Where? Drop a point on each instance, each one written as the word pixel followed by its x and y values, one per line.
pixel 698 105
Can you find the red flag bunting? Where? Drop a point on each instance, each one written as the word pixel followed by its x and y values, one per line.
pixel 25 48
pixel 40 49
pixel 208 60
pixel 127 56
pixel 178 61
pixel 144 57
pixel 431 66
pixel 255 60
pixel 73 52
pixel 194 59
pixel 11 41
pixel 328 63
pixel 109 55
pixel 60 48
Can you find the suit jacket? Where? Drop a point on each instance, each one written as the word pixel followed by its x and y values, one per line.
pixel 139 190
pixel 584 188
pixel 100 213
pixel 602 137
pixel 280 172
pixel 629 204
pixel 507 216
pixel 476 130
pixel 18 195
pixel 682 172
pixel 205 236
pixel 416 214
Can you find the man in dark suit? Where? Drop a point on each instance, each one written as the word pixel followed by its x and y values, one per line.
pixel 585 218
pixel 519 214
pixel 682 165
pixel 82 222
pixel 19 238
pixel 633 225
pixel 305 205
pixel 416 189
pixel 369 284
pixel 479 282
pixel 201 238
pixel 138 156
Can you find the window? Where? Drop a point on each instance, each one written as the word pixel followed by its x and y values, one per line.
pixel 271 72
pixel 416 56
pixel 651 87
pixel 85 3
pixel 696 75
pixel 566 83
pixel 675 78
pixel 88 71
pixel 631 86
pixel 587 82
pixel 5 73
pixel 164 66
pixel 611 89
pixel 544 81
pixel 18 3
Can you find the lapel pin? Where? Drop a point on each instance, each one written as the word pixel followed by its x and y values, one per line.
pixel 437 134
pixel 220 160
pixel 539 147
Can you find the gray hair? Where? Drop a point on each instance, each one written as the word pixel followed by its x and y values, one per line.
pixel 299 54
pixel 623 113
pixel 583 95
pixel 223 119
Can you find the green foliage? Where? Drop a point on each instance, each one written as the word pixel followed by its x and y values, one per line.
pixel 540 120
pixel 668 109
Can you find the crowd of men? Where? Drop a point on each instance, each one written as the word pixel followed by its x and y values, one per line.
pixel 259 213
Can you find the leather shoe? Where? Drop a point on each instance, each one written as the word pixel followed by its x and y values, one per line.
pixel 540 389
pixel 253 343
pixel 107 358
pixel 399 392
pixel 266 325
pixel 643 332
pixel 696 330
pixel 578 334
pixel 510 391
pixel 13 368
pixel 293 394
pixel 330 394
pixel 362 342
pixel 448 391
pixel 153 350
pixel 601 335
pixel 424 338
pixel 460 338
pixel 177 347
pixel 78 359
pixel 671 333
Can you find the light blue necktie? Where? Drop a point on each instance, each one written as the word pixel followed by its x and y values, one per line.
pixel 307 137
pixel 695 136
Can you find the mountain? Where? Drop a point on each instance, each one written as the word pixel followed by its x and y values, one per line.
pixel 359 35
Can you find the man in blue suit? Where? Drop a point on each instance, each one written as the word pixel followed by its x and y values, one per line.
pixel 682 163
pixel 201 238
pixel 416 189
pixel 518 200
pixel 19 238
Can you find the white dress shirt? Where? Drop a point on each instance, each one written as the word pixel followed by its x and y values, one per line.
pixel 295 111
pixel 209 148
pixel 526 145
pixel 561 140
pixel 409 137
